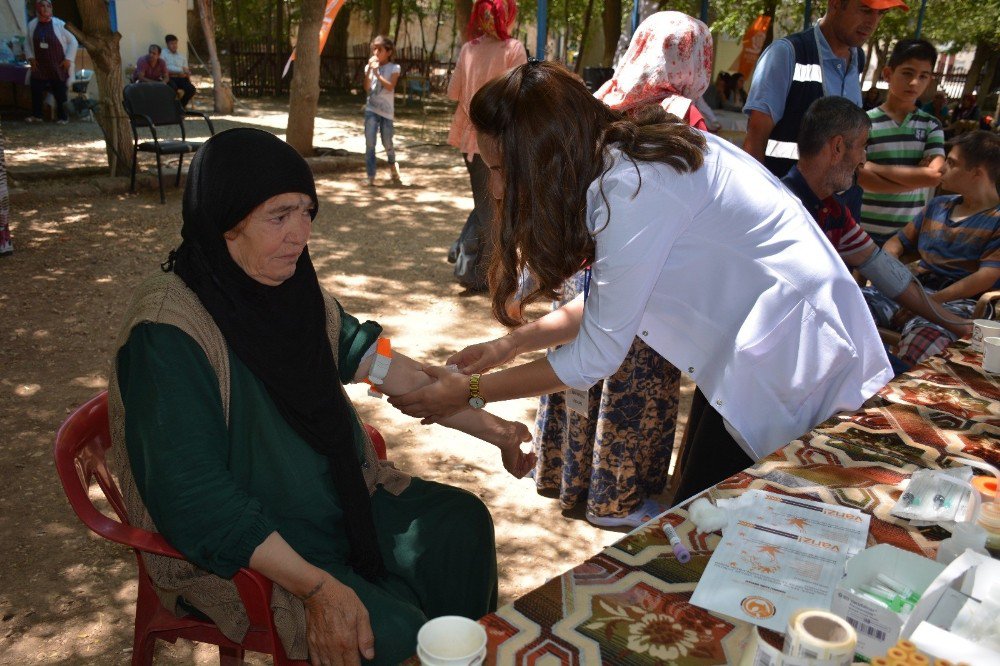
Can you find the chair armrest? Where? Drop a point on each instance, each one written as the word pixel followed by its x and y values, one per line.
pixel 984 300
pixel 255 591
pixel 211 128
pixel 134 537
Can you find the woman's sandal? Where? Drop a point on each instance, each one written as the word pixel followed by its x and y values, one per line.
pixel 643 513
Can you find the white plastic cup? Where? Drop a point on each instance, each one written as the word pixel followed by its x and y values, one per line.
pixel 983 328
pixel 451 641
pixel 991 354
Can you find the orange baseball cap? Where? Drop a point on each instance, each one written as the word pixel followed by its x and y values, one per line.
pixel 886 4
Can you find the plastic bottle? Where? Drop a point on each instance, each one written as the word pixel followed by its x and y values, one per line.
pixel 965 535
pixel 989 520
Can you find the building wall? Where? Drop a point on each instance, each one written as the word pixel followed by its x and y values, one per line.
pixel 145 22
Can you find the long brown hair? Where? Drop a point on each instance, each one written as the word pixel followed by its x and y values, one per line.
pixel 553 135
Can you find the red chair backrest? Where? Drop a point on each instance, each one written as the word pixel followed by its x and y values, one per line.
pixel 80 454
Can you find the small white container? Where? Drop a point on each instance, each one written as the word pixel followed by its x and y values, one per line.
pixel 451 641
pixel 991 354
pixel 983 328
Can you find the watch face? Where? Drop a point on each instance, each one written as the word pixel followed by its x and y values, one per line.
pixel 477 402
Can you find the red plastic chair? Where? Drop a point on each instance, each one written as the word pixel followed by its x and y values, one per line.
pixel 80 449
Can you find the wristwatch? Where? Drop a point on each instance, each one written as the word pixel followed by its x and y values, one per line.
pixel 476 401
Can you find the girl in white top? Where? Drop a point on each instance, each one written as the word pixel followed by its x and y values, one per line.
pixel 381 75
pixel 694 247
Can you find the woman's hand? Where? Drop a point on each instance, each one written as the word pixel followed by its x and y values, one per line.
pixel 485 355
pixel 337 626
pixel 516 461
pixel 446 396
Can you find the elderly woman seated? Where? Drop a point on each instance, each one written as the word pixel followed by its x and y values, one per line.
pixel 231 427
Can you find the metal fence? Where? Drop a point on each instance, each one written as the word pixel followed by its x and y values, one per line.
pixel 953 83
pixel 256 68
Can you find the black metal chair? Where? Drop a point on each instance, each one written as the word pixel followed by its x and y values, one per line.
pixel 155 106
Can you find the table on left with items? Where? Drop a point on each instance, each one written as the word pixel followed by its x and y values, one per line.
pixel 15 93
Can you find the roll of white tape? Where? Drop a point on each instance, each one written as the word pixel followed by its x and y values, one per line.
pixel 819 634
pixel 759 652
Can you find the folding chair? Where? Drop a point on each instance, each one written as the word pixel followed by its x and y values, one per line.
pixel 155 106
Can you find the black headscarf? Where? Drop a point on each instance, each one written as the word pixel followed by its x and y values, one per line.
pixel 279 332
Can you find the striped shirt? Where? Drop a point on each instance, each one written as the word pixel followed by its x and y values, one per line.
pixel 833 218
pixel 919 136
pixel 949 250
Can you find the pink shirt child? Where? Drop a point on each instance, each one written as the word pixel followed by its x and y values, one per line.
pixel 479 61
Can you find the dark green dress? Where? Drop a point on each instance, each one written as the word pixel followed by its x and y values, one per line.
pixel 216 492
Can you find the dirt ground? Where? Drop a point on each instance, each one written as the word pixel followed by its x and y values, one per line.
pixel 82 241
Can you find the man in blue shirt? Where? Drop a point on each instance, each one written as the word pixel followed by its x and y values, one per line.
pixel 795 71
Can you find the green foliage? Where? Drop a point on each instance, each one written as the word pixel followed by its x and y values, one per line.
pixel 962 22
pixel 955 23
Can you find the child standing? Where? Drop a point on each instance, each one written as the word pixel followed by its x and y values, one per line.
pixel 381 75
pixel 906 145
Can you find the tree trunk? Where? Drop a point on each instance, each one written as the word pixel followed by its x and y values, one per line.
pixel 239 18
pixel 382 16
pixel 770 10
pixel 976 67
pixel 881 57
pixel 102 46
pixel 437 28
pixel 583 35
pixel 566 32
pixel 399 22
pixel 987 75
pixel 223 96
pixel 869 49
pixel 612 18
pixel 279 23
pixel 337 45
pixel 463 10
pixel 304 97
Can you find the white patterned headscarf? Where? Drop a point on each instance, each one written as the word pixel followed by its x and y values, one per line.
pixel 670 57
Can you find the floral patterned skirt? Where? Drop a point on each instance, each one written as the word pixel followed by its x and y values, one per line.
pixel 620 454
pixel 4 202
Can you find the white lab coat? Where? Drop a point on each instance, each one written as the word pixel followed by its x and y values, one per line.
pixel 69 43
pixel 725 274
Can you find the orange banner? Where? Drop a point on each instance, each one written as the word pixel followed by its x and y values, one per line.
pixel 332 9
pixel 753 44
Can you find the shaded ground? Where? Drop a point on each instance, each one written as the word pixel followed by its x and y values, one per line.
pixel 81 243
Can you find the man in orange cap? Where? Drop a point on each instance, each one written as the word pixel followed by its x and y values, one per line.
pixel 793 72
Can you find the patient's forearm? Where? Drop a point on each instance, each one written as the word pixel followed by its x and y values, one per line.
pixel 278 561
pixel 406 375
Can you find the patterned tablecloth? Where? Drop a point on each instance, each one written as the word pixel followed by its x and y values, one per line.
pixel 629 604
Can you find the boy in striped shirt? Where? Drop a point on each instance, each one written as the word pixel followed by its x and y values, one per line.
pixel 958 239
pixel 906 145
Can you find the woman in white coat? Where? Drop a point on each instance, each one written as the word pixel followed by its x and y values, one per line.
pixel 693 247
pixel 51 51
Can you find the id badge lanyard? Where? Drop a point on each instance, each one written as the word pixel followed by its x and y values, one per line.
pixel 576 400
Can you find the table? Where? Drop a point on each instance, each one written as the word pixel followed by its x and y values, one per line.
pixel 630 602
pixel 731 121
pixel 17 94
